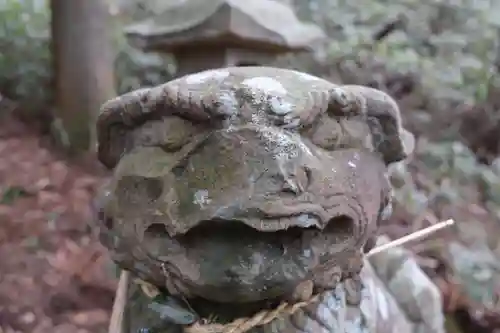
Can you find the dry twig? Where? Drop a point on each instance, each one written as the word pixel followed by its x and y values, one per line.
pixel 411 237
pixel 116 321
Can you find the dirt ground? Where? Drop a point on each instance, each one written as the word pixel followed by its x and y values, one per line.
pixel 54 276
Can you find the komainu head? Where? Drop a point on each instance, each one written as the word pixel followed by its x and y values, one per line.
pixel 237 184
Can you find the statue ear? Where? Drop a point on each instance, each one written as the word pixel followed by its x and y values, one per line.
pixel 116 118
pixel 382 115
pixel 122 117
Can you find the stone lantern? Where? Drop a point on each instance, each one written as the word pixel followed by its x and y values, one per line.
pixel 205 34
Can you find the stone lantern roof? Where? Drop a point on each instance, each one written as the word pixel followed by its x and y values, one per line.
pixel 260 25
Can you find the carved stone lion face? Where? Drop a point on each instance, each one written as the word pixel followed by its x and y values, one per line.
pixel 237 184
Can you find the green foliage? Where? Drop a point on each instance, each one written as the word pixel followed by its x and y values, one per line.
pixel 136 69
pixel 11 194
pixel 453 44
pixel 25 60
pixel 26 64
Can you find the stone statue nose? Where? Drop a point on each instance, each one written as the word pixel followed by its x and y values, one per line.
pixel 270 154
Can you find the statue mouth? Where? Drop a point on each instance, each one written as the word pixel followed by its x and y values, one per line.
pixel 231 262
pixel 340 228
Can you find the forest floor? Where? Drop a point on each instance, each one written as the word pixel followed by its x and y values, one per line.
pixel 54 277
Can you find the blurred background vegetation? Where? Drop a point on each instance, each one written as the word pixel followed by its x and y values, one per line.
pixel 439 58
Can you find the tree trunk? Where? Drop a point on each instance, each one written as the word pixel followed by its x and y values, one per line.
pixel 83 64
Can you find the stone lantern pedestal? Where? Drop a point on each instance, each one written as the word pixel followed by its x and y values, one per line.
pixel 205 34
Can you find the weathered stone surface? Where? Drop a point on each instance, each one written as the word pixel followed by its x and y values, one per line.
pixel 237 184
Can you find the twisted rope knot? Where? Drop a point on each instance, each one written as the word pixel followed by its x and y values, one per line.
pixel 239 325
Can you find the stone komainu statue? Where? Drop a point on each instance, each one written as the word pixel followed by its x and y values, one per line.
pixel 239 188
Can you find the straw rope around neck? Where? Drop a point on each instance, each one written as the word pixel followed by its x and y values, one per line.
pixel 239 325
pixel 263 317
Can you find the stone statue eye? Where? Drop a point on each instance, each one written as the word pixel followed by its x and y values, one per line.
pixel 169 133
pixel 326 133
pixel 333 133
pixel 138 189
